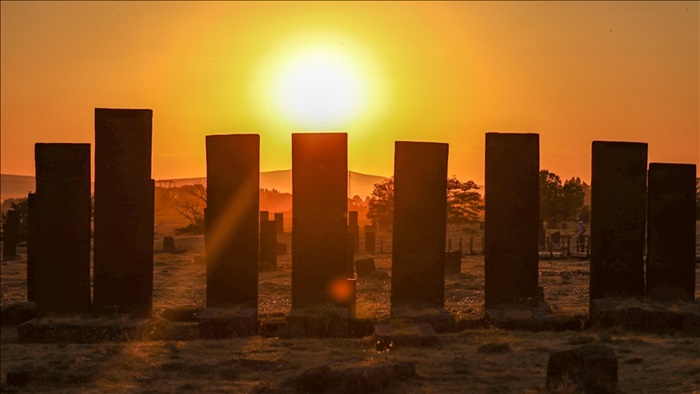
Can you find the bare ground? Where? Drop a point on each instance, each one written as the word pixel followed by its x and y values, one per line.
pixel 648 363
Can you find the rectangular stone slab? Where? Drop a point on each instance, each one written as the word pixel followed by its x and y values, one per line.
pixel 279 222
pixel 268 245
pixel 319 221
pixel 420 223
pixel 10 236
pixel 512 218
pixel 124 198
pixel 231 229
pixel 670 266
pixel 618 219
pixel 62 218
pixel 32 221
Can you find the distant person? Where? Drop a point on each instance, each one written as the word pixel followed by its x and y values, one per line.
pixel 581 239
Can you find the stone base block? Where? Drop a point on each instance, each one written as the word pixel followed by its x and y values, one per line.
pixel 531 317
pixel 318 321
pixel 453 262
pixel 219 323
pixel 18 313
pixel 436 317
pixel 388 336
pixel 632 313
pixel 82 329
pixel 591 368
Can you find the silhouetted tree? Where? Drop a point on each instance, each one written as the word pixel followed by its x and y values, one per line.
pixel 381 203
pixel 21 205
pixel 557 201
pixel 190 204
pixel 463 201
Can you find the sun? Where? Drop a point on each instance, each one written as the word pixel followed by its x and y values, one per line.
pixel 319 89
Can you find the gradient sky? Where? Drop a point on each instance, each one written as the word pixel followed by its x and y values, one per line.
pixel 573 72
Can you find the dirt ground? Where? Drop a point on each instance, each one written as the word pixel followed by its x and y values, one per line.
pixel 457 363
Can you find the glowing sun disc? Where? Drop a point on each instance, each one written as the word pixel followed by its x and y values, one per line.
pixel 319 89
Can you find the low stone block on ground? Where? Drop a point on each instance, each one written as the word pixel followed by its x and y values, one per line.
pixel 182 314
pixel 366 379
pixel 438 318
pixel 591 368
pixel 364 267
pixel 387 336
pixel 17 313
pixel 82 329
pixel 223 322
pixel 453 262
pixel 322 321
pixel 525 316
pixel 632 313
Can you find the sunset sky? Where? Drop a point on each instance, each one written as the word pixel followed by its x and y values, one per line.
pixel 573 72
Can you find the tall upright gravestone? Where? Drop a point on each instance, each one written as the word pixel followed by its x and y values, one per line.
pixel 32 224
pixel 231 230
pixel 279 222
pixel 618 213
pixel 512 218
pixel 61 228
pixel 319 223
pixel 420 223
pixel 124 198
pixel 670 265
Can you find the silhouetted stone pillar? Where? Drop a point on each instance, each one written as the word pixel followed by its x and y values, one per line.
pixel 618 213
pixel 233 171
pixel 124 198
pixel 279 221
pixel 10 236
pixel 354 229
pixel 264 216
pixel 168 243
pixel 268 245
pixel 319 206
pixel 62 218
pixel 32 224
pixel 670 270
pixel 370 241
pixel 420 223
pixel 512 218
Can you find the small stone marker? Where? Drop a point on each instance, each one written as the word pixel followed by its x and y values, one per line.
pixel 419 232
pixel 279 221
pixel 124 198
pixel 512 218
pixel 62 211
pixel 387 337
pixel 168 243
pixel 364 267
pixel 231 235
pixel 268 245
pixel 354 229
pixel 591 368
pixel 670 266
pixel 618 219
pixel 10 235
pixel 264 216
pixel 453 262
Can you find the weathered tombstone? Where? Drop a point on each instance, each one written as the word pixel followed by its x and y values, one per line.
pixel 319 222
pixel 264 216
pixel 512 218
pixel 350 256
pixel 354 229
pixel 591 368
pixel 10 236
pixel 279 221
pixel 124 198
pixel 370 240
pixel 453 262
pixel 268 245
pixel 419 231
pixel 62 214
pixel 618 213
pixel 231 233
pixel 168 243
pixel 32 224
pixel 670 266
pixel 365 267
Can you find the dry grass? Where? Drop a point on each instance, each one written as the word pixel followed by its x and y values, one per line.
pixel 474 360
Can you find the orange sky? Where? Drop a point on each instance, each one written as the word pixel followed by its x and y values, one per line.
pixel 573 72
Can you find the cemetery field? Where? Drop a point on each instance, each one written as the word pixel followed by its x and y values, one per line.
pixel 475 359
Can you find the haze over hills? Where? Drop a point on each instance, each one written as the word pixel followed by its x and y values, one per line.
pixel 17 186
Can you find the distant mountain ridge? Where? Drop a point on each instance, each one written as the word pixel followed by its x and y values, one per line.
pixel 17 186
